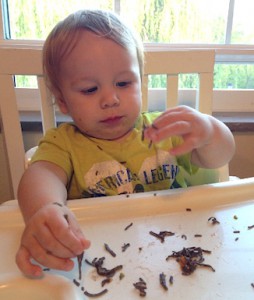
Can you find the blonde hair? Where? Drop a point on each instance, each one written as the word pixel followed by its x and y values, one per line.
pixel 64 37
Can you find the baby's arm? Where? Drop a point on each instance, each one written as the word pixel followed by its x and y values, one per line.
pixel 209 140
pixel 52 235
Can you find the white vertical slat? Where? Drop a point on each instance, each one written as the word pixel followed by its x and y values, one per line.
pixel 172 91
pixel 47 106
pixel 145 93
pixel 12 131
pixel 204 99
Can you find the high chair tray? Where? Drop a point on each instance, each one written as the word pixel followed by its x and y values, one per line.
pixel 217 218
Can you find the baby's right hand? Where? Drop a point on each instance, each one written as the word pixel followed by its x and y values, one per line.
pixel 51 237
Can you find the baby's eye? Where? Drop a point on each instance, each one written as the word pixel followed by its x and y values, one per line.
pixel 90 90
pixel 123 83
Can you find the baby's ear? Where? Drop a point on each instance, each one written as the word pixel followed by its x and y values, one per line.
pixel 62 105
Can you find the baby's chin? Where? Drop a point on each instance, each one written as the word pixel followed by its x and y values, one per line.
pixel 112 136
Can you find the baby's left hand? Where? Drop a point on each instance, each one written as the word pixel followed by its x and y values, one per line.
pixel 195 128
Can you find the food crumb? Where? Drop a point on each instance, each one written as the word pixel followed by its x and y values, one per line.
pixel 163 281
pixel 141 287
pixel 125 246
pixel 213 220
pixel 107 248
pixel 76 282
pixel 128 226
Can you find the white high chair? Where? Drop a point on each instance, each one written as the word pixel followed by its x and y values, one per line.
pixel 28 62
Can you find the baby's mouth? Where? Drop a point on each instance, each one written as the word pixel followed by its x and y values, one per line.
pixel 112 120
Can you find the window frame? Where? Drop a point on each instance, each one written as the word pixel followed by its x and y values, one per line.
pixel 224 100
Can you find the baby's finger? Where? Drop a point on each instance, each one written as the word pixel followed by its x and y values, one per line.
pixel 64 231
pixel 48 241
pixel 23 262
pixel 187 146
pixel 179 128
pixel 43 257
pixel 75 227
pixel 173 115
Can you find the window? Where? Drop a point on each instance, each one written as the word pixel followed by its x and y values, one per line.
pixel 33 19
pixel 158 21
pixel 224 25
pixel 243 25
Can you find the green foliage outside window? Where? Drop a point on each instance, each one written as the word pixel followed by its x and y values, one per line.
pixel 158 21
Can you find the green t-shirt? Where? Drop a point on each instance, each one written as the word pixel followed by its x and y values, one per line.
pixel 96 167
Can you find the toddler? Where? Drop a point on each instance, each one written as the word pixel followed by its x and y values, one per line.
pixel 93 66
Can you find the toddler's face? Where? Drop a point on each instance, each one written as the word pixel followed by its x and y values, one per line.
pixel 101 89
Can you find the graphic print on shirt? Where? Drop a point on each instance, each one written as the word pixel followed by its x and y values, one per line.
pixel 106 176
pixel 157 168
pixel 113 178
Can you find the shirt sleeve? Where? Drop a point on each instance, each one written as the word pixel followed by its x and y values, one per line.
pixel 54 148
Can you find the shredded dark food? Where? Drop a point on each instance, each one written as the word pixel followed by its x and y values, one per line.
pixel 213 220
pixel 46 269
pixel 109 250
pixel 76 282
pixel 163 281
pixel 128 226
pixel 141 287
pixel 105 281
pixel 80 258
pixel 143 132
pixel 162 234
pixel 98 262
pixel 94 295
pixel 197 235
pixel 190 258
pixel 125 246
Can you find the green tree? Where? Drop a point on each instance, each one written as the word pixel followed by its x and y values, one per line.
pixel 164 21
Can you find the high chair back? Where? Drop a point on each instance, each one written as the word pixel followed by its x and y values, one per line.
pixel 28 62
pixel 174 63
